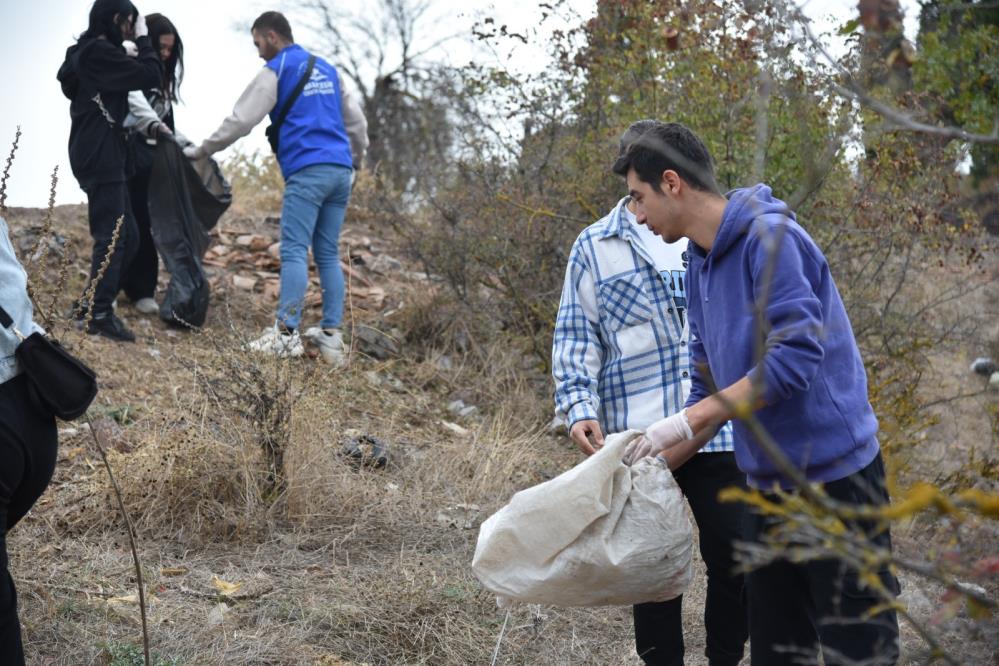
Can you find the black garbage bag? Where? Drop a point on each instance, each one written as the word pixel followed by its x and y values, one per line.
pixel 186 200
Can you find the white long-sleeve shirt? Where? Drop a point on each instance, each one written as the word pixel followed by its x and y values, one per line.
pixel 142 117
pixel 259 99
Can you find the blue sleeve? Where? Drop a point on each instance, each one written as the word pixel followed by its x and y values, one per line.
pixel 701 383
pixel 785 279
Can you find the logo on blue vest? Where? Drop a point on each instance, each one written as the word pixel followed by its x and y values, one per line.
pixel 319 84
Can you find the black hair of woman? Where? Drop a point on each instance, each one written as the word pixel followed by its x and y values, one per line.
pixel 173 65
pixel 102 19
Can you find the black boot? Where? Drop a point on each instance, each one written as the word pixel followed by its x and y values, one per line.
pixel 110 326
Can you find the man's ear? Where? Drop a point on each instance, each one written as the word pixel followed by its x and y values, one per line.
pixel 670 181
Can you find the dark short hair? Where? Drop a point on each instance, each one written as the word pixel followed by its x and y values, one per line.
pixel 273 21
pixel 669 146
pixel 635 130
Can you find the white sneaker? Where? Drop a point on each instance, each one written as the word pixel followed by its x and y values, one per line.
pixel 147 306
pixel 276 343
pixel 330 344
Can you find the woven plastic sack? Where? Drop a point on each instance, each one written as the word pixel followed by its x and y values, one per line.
pixel 602 533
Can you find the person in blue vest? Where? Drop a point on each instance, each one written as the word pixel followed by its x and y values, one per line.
pixel 319 145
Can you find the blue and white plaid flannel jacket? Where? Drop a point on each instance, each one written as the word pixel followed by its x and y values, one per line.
pixel 619 353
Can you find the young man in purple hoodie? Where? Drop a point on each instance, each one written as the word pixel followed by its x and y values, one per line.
pixel 768 328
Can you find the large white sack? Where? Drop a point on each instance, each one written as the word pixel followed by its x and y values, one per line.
pixel 602 533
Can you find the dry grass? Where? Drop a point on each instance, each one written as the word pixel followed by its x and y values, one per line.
pixel 346 564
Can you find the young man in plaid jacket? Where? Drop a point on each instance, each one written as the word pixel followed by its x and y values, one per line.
pixel 620 362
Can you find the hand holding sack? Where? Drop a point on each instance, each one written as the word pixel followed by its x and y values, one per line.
pixel 659 437
pixel 602 533
pixel 193 152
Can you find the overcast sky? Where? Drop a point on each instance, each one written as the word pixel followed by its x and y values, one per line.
pixel 220 61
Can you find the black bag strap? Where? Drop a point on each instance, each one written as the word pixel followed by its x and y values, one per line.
pixel 5 319
pixel 286 109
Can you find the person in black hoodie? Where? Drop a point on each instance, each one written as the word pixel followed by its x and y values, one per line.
pixel 96 77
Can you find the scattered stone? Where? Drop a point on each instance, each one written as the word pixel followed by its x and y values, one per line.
pixel 383 264
pixel 254 242
pixel 444 362
pixel 275 250
pixel 375 343
pixel 455 428
pixel 27 239
pixel 471 410
pixel 243 282
pixel 155 353
pixel 994 381
pixel 462 516
pixel 456 406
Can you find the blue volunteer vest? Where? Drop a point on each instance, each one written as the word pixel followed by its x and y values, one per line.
pixel 313 132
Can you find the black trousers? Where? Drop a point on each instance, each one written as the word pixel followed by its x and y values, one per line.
pixel 27 459
pixel 659 626
pixel 796 608
pixel 139 278
pixel 106 203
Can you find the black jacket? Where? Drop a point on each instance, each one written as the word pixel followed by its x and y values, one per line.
pixel 97 77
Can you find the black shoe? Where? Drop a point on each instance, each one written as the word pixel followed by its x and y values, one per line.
pixel 110 326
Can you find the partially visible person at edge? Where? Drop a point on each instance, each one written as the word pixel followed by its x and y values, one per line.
pixel 321 143
pixel 97 76
pixel 28 439
pixel 619 359
pixel 809 389
pixel 150 118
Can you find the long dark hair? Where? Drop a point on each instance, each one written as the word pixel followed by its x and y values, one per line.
pixel 102 19
pixel 173 68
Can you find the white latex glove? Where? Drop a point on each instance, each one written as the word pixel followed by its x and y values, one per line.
pixel 130 48
pixel 193 152
pixel 659 436
pixel 140 26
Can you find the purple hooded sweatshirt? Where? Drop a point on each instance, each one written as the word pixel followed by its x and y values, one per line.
pixel 814 381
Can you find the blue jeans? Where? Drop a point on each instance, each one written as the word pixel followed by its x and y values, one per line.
pixel 315 200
